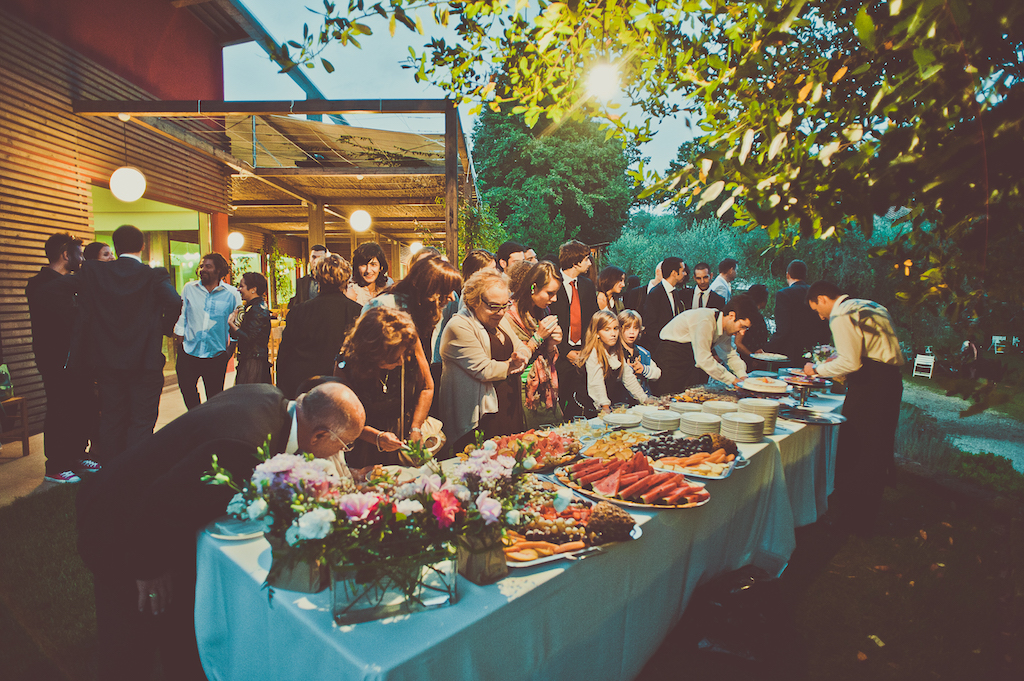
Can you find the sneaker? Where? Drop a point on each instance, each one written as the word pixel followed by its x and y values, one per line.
pixel 88 466
pixel 63 478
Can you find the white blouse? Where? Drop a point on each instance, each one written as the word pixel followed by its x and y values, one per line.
pixel 595 381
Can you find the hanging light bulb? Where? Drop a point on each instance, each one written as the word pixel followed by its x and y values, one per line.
pixel 128 183
pixel 236 240
pixel 360 220
pixel 415 247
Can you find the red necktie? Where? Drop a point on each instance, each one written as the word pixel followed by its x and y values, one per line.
pixel 575 317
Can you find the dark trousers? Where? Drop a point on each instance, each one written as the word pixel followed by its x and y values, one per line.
pixel 71 414
pixel 867 441
pixel 572 380
pixel 129 406
pixel 679 370
pixel 190 369
pixel 128 641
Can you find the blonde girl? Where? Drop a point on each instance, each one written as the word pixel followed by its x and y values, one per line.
pixel 631 325
pixel 603 358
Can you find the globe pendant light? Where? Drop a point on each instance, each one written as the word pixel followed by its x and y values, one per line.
pixel 127 183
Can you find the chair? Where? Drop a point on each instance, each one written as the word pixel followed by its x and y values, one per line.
pixel 924 365
pixel 998 344
pixel 17 408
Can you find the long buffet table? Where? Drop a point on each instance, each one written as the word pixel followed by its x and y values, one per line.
pixel 598 618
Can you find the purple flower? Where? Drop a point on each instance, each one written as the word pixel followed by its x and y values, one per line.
pixel 490 509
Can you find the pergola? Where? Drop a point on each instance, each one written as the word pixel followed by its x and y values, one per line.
pixel 298 177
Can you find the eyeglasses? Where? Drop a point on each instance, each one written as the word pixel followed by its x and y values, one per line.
pixel 497 307
pixel 345 447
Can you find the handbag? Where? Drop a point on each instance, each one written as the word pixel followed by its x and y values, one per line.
pixel 431 435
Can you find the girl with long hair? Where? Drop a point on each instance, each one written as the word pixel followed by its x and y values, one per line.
pixel 604 361
pixel 369 272
pixel 538 328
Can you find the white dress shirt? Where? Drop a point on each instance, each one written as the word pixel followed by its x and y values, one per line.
pixel 705 333
pixel 861 329
pixel 670 290
pixel 595 380
pixel 722 287
pixel 204 318
pixel 696 297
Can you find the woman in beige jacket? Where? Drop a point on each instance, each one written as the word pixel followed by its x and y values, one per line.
pixel 481 357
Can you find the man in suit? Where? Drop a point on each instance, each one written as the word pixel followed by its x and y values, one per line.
pixel 305 287
pixel 127 308
pixel 797 327
pixel 574 310
pixel 509 253
pixel 636 297
pixel 663 302
pixel 138 517
pixel 701 295
pixel 70 403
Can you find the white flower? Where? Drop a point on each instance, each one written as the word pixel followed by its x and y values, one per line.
pixel 512 517
pixel 315 524
pixel 237 505
pixel 292 535
pixel 429 483
pixel 490 444
pixel 562 499
pixel 257 509
pixel 506 461
pixel 408 507
pixel 461 492
pixel 529 463
pixel 407 490
pixel 268 523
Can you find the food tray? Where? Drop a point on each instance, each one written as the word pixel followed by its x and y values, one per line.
pixel 563 477
pixel 571 555
pixel 738 462
pixel 810 416
pixel 770 357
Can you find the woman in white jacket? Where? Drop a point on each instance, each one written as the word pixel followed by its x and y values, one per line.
pixel 481 357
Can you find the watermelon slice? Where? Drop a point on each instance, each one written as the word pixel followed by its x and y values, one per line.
pixel 585 465
pixel 678 496
pixel 608 486
pixel 660 491
pixel 627 479
pixel 592 476
pixel 643 484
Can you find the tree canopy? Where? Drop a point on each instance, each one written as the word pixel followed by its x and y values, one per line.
pixel 553 185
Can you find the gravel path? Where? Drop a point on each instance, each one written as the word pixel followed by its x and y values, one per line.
pixel 989 431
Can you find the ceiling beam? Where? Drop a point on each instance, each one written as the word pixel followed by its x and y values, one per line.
pixel 302 219
pixel 348 171
pixel 208 107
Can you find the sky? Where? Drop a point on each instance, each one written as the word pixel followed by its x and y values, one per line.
pixel 373 72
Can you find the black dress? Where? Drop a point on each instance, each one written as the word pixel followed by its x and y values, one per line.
pixel 509 417
pixel 312 338
pixel 381 396
pixel 253 336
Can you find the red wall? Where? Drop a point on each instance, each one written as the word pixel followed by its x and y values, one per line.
pixel 163 50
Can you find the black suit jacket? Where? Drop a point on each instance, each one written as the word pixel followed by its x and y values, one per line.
pixel 312 338
pixel 301 291
pixel 588 308
pixel 53 312
pixel 797 327
pixel 657 313
pixel 711 300
pixel 635 298
pixel 140 513
pixel 126 309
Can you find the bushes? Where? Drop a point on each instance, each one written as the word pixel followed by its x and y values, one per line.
pixel 989 470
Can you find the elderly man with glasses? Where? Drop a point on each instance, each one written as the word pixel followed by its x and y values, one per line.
pixel 138 517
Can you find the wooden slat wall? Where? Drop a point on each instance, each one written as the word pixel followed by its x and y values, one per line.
pixel 50 158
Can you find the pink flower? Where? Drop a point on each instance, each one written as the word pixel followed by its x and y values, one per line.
pixel 445 508
pixel 490 509
pixel 359 506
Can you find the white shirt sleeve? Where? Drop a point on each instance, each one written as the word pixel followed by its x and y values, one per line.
pixel 702 338
pixel 633 385
pixel 652 372
pixel 595 382
pixel 179 326
pixel 848 348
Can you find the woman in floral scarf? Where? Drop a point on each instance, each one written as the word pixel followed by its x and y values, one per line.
pixel 538 328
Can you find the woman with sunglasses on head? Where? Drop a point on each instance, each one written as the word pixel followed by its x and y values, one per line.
pixel 481 359
pixel 381 351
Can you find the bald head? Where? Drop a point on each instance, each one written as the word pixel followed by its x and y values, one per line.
pixel 329 417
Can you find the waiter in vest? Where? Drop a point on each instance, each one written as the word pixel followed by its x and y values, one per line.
pixel 869 356
pixel 689 343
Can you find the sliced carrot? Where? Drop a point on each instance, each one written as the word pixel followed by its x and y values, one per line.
pixel 571 546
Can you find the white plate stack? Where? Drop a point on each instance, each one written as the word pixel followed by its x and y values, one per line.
pixel 718 407
pixel 743 427
pixel 660 420
pixel 698 423
pixel 621 420
pixel 769 409
pixel 684 407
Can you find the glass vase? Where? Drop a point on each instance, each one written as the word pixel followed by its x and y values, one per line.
pixel 396 586
pixel 301 576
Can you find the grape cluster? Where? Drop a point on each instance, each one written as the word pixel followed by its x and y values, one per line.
pixel 667 445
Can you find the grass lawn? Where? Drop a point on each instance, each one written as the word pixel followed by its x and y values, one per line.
pixel 1014 408
pixel 935 587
